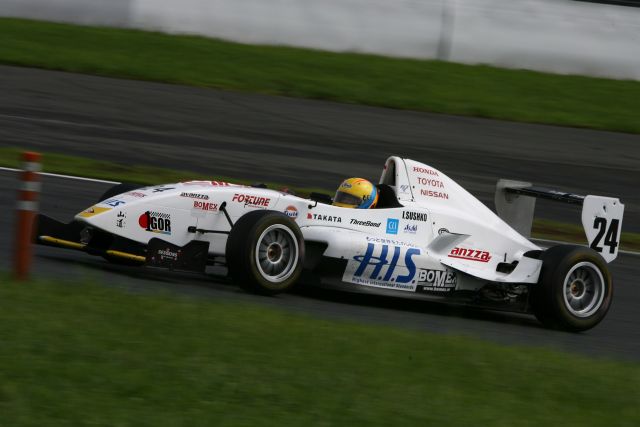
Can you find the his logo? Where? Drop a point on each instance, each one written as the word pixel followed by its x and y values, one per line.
pixel 404 189
pixel 384 272
pixel 392 225
pixel 155 222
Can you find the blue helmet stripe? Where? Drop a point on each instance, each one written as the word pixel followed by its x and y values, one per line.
pixel 367 203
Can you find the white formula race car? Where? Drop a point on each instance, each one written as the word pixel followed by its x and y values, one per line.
pixel 427 237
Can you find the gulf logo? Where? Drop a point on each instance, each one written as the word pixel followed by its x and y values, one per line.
pixel 291 212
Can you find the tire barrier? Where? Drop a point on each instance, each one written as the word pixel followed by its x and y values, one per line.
pixel 26 212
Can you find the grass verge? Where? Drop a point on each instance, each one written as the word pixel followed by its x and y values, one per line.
pixel 80 166
pixel 77 353
pixel 346 77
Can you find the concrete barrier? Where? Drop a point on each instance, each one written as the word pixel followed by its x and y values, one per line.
pixel 548 35
pixel 400 28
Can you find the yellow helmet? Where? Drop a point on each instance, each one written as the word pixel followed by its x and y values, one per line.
pixel 356 193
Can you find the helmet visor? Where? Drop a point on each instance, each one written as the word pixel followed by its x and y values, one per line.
pixel 346 199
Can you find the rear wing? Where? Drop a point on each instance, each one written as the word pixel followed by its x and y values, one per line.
pixel 601 216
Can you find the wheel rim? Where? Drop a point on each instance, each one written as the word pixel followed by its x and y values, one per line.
pixel 584 289
pixel 277 253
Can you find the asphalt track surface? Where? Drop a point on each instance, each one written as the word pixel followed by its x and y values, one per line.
pixel 311 143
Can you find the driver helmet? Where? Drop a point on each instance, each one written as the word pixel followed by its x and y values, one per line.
pixel 356 193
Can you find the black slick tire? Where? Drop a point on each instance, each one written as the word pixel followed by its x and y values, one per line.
pixel 574 291
pixel 265 252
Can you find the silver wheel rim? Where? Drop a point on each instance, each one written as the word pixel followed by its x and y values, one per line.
pixel 584 289
pixel 277 253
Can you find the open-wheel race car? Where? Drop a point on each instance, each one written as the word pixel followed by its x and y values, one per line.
pixel 427 237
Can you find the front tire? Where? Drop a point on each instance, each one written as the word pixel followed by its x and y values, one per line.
pixel 265 252
pixel 574 291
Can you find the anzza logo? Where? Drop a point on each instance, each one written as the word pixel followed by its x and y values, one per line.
pixel 155 222
pixel 470 254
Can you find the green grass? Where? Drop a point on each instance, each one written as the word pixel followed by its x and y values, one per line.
pixel 365 79
pixel 80 166
pixel 81 354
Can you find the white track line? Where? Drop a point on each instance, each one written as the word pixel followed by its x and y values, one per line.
pixel 81 178
pixel 57 175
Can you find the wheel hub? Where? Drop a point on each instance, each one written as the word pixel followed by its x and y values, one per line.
pixel 577 288
pixel 274 252
pixel 584 289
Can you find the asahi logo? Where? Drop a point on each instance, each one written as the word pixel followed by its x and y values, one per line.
pixel 411 228
pixel 325 218
pixel 414 216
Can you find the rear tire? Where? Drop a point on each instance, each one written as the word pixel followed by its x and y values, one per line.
pixel 265 252
pixel 574 291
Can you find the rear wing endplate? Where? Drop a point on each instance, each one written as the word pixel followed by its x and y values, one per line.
pixel 601 216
